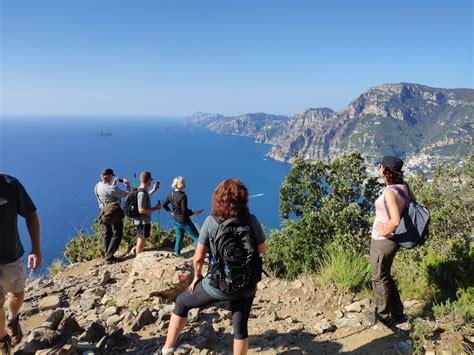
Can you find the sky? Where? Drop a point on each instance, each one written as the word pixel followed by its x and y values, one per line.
pixel 174 58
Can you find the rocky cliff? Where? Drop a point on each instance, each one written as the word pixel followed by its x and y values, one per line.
pixel 421 124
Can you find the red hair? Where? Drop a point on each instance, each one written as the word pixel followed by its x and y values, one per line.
pixel 230 199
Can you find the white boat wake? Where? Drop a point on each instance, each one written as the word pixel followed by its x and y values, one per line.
pixel 256 195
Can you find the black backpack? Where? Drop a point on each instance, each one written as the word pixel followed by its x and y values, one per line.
pixel 131 204
pixel 235 262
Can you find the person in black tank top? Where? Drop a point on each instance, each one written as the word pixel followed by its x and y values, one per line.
pixel 181 213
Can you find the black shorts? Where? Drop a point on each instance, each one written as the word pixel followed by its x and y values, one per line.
pixel 143 230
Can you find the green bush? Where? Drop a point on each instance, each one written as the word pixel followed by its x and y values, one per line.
pixel 460 310
pixel 86 247
pixel 56 267
pixel 322 202
pixel 349 272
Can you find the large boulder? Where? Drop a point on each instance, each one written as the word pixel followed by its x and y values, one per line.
pixel 156 274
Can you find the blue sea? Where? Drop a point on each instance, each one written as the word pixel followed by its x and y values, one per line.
pixel 59 161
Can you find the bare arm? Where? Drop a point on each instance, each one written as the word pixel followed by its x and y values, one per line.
pixel 33 224
pixel 386 229
pixel 198 260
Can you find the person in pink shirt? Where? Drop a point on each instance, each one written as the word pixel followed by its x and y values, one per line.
pixel 389 206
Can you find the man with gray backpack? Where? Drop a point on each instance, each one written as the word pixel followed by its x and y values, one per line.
pixel 111 215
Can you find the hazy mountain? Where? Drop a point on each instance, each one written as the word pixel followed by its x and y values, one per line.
pixel 421 124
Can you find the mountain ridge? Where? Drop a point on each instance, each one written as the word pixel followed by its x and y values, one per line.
pixel 419 123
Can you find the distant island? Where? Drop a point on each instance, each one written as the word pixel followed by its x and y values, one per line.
pixel 421 124
pixel 104 134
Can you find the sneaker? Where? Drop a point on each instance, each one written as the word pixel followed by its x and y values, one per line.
pixel 399 319
pixel 14 329
pixel 5 345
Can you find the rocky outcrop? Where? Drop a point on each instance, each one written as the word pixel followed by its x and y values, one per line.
pixel 126 308
pixel 421 124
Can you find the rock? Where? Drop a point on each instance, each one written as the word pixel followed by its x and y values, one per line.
pixel 28 309
pixel 358 306
pixel 347 322
pixel 109 311
pixel 168 308
pixel 291 320
pixel 339 314
pixel 114 339
pixel 296 329
pixel 273 316
pixel 87 302
pixel 104 278
pixel 404 347
pixel 369 317
pixel 94 333
pixel 69 327
pixel 207 331
pixel 144 318
pixel 193 315
pixel 113 320
pixel 99 291
pixel 157 274
pixel 50 302
pixel 40 338
pixel 323 326
pixel 54 319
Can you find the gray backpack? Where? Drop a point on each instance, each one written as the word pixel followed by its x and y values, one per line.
pixel 414 222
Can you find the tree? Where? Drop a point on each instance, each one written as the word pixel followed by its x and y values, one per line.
pixel 322 202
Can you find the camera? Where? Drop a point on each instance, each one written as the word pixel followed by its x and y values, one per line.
pixel 120 180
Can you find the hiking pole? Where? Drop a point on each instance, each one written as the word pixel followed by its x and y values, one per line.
pixel 158 222
pixel 134 180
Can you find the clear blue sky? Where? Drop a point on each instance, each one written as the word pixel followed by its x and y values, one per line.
pixel 108 57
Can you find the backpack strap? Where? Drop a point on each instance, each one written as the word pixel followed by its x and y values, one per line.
pixel 401 193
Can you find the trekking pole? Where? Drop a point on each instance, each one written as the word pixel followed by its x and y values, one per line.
pixel 134 180
pixel 158 222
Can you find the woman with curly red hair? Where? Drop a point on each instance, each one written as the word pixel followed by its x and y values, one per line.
pixel 229 200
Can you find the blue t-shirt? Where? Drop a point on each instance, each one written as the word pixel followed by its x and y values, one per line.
pixel 14 201
pixel 209 228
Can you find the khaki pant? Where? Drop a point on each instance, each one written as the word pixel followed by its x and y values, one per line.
pixel 387 299
pixel 12 277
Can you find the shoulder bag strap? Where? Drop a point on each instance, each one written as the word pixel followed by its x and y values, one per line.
pixel 97 194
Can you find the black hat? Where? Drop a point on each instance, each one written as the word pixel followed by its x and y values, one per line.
pixel 107 171
pixel 391 162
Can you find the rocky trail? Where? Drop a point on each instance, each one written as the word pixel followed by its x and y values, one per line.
pixel 93 308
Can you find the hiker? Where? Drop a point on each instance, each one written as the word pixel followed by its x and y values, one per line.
pixel 109 197
pixel 14 201
pixel 181 213
pixel 229 203
pixel 388 306
pixel 143 221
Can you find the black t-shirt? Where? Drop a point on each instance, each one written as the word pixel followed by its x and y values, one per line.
pixel 14 201
pixel 179 204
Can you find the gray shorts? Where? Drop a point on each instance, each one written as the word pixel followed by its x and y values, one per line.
pixel 12 277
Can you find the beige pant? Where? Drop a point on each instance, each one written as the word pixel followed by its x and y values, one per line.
pixel 12 277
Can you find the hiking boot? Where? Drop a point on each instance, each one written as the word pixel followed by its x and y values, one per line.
pixel 14 329
pixel 5 345
pixel 399 319
pixel 112 260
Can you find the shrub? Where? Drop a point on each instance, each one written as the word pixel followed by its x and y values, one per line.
pixel 56 267
pixel 460 310
pixel 86 247
pixel 349 272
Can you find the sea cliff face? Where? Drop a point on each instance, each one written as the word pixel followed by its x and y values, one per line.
pixel 421 124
